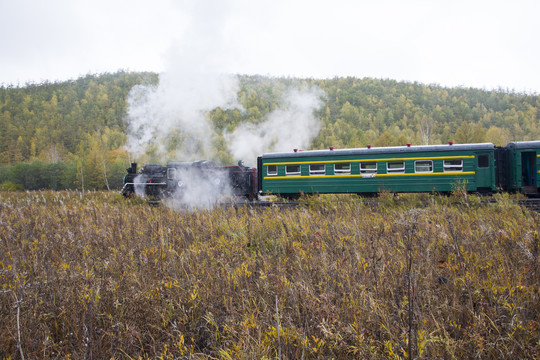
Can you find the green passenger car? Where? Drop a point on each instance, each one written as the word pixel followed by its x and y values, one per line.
pixel 440 168
pixel 522 170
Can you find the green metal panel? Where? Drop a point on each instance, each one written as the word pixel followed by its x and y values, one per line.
pixel 485 173
pixel 524 165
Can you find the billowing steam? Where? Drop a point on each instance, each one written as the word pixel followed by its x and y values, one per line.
pixel 170 121
pixel 199 190
pixel 140 185
pixel 156 113
pixel 292 125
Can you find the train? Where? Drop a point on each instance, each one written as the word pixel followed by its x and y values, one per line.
pixel 180 178
pixel 478 167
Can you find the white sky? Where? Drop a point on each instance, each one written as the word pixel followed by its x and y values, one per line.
pixel 478 43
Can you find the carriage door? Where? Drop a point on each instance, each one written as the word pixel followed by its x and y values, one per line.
pixel 484 170
pixel 528 172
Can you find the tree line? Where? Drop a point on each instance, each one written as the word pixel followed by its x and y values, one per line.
pixel 70 134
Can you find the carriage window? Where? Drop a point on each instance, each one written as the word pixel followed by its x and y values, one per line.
pixel 395 167
pixel 453 165
pixel 271 170
pixel 483 161
pixel 342 168
pixel 422 166
pixel 368 167
pixel 171 173
pixel 316 169
pixel 291 170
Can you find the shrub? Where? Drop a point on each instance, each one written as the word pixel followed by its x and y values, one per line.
pixel 9 186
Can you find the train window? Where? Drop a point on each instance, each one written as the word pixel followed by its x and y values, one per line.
pixel 483 161
pixel 422 166
pixel 368 167
pixel 291 170
pixel 271 170
pixel 453 165
pixel 316 169
pixel 342 168
pixel 171 173
pixel 395 167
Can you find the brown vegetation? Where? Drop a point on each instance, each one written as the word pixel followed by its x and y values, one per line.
pixel 92 275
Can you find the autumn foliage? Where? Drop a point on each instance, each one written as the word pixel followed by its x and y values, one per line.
pixel 92 275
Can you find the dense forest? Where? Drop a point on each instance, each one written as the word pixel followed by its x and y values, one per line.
pixel 71 134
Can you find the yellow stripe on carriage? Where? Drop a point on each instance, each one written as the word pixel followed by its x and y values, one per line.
pixel 370 160
pixel 367 176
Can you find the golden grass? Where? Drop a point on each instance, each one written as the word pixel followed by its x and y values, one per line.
pixel 92 275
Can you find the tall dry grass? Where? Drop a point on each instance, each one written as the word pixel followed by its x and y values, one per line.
pixel 96 276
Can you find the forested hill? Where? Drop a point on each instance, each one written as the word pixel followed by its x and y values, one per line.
pixel 83 122
pixel 54 121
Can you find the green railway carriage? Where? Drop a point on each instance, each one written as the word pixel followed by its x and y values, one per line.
pixel 370 170
pixel 518 167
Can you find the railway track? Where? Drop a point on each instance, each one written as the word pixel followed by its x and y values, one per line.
pixel 263 204
pixel 251 204
pixel 531 203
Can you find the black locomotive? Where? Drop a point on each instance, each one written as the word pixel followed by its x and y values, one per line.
pixel 177 179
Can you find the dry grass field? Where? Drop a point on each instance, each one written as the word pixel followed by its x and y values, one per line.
pixel 96 276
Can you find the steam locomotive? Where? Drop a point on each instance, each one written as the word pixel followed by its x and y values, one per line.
pixel 428 168
pixel 177 179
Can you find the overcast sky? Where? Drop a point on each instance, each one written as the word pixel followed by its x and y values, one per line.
pixel 472 43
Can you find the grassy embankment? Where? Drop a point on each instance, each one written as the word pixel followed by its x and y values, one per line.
pixel 96 276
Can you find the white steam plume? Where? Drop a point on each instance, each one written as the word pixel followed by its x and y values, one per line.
pixel 178 106
pixel 171 117
pixel 170 120
pixel 199 189
pixel 292 125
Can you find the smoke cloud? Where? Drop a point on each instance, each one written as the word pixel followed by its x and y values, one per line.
pixel 292 125
pixel 199 189
pixel 140 185
pixel 169 121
